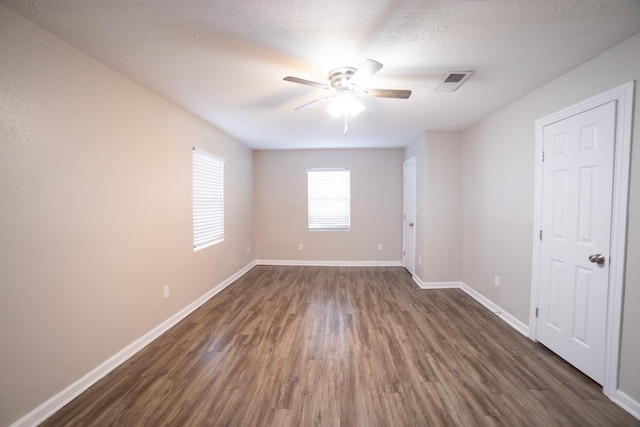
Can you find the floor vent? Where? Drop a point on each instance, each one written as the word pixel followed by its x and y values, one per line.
pixel 452 81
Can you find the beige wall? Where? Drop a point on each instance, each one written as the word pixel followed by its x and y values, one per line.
pixel 95 214
pixel 439 206
pixel 280 182
pixel 443 211
pixel 498 183
pixel 95 208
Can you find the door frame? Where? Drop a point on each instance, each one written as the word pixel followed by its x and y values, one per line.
pixel 404 213
pixel 623 95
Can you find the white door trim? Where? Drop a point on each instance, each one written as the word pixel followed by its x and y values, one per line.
pixel 623 95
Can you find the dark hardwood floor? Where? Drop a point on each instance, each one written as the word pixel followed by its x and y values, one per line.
pixel 344 346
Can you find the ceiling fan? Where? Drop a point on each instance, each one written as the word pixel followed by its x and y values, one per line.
pixel 344 83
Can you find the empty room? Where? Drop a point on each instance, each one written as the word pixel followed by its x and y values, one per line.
pixel 294 213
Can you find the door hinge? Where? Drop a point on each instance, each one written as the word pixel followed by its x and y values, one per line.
pixel 542 156
pixel 541 235
pixel 404 253
pixel 536 312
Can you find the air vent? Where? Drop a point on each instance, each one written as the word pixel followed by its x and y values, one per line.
pixel 452 81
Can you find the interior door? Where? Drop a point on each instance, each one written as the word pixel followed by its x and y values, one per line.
pixel 409 216
pixel 575 237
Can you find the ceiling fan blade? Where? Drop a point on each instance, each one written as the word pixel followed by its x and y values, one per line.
pixel 388 93
pixel 304 82
pixel 366 70
pixel 312 103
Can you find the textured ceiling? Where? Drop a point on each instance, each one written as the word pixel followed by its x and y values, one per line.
pixel 224 60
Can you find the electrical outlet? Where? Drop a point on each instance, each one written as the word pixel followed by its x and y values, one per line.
pixel 248 249
pixel 165 291
pixel 419 259
pixel 497 281
pixel 379 246
pixel 300 246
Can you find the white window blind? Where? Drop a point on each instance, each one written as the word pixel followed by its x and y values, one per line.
pixel 329 192
pixel 208 199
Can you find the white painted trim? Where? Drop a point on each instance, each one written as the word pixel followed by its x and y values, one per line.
pixel 618 251
pixel 313 263
pixel 56 402
pixel 438 285
pixel 497 310
pixel 416 279
pixel 627 403
pixel 537 226
pixel 487 303
pixel 619 397
pixel 623 95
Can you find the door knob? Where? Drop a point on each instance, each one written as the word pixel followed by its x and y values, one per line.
pixel 597 258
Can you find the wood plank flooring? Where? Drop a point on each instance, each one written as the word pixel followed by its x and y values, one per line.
pixel 342 346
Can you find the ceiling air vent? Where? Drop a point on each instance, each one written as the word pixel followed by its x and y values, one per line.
pixel 452 81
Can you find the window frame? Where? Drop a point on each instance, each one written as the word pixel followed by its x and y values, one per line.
pixel 207 196
pixel 340 218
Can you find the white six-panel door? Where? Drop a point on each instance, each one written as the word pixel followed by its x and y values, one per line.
pixel 409 216
pixel 576 236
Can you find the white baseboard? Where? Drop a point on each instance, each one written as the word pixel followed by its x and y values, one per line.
pixel 55 403
pixel 437 285
pixel 309 263
pixel 627 403
pixel 623 400
pixel 497 310
pixel 511 320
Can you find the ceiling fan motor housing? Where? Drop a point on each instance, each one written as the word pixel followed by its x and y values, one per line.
pixel 340 77
pixel 349 81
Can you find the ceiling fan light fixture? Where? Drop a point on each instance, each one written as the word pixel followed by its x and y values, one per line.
pixel 344 84
pixel 345 105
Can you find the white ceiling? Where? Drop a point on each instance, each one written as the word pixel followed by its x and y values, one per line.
pixel 224 60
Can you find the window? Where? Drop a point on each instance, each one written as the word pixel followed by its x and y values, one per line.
pixel 208 199
pixel 329 199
